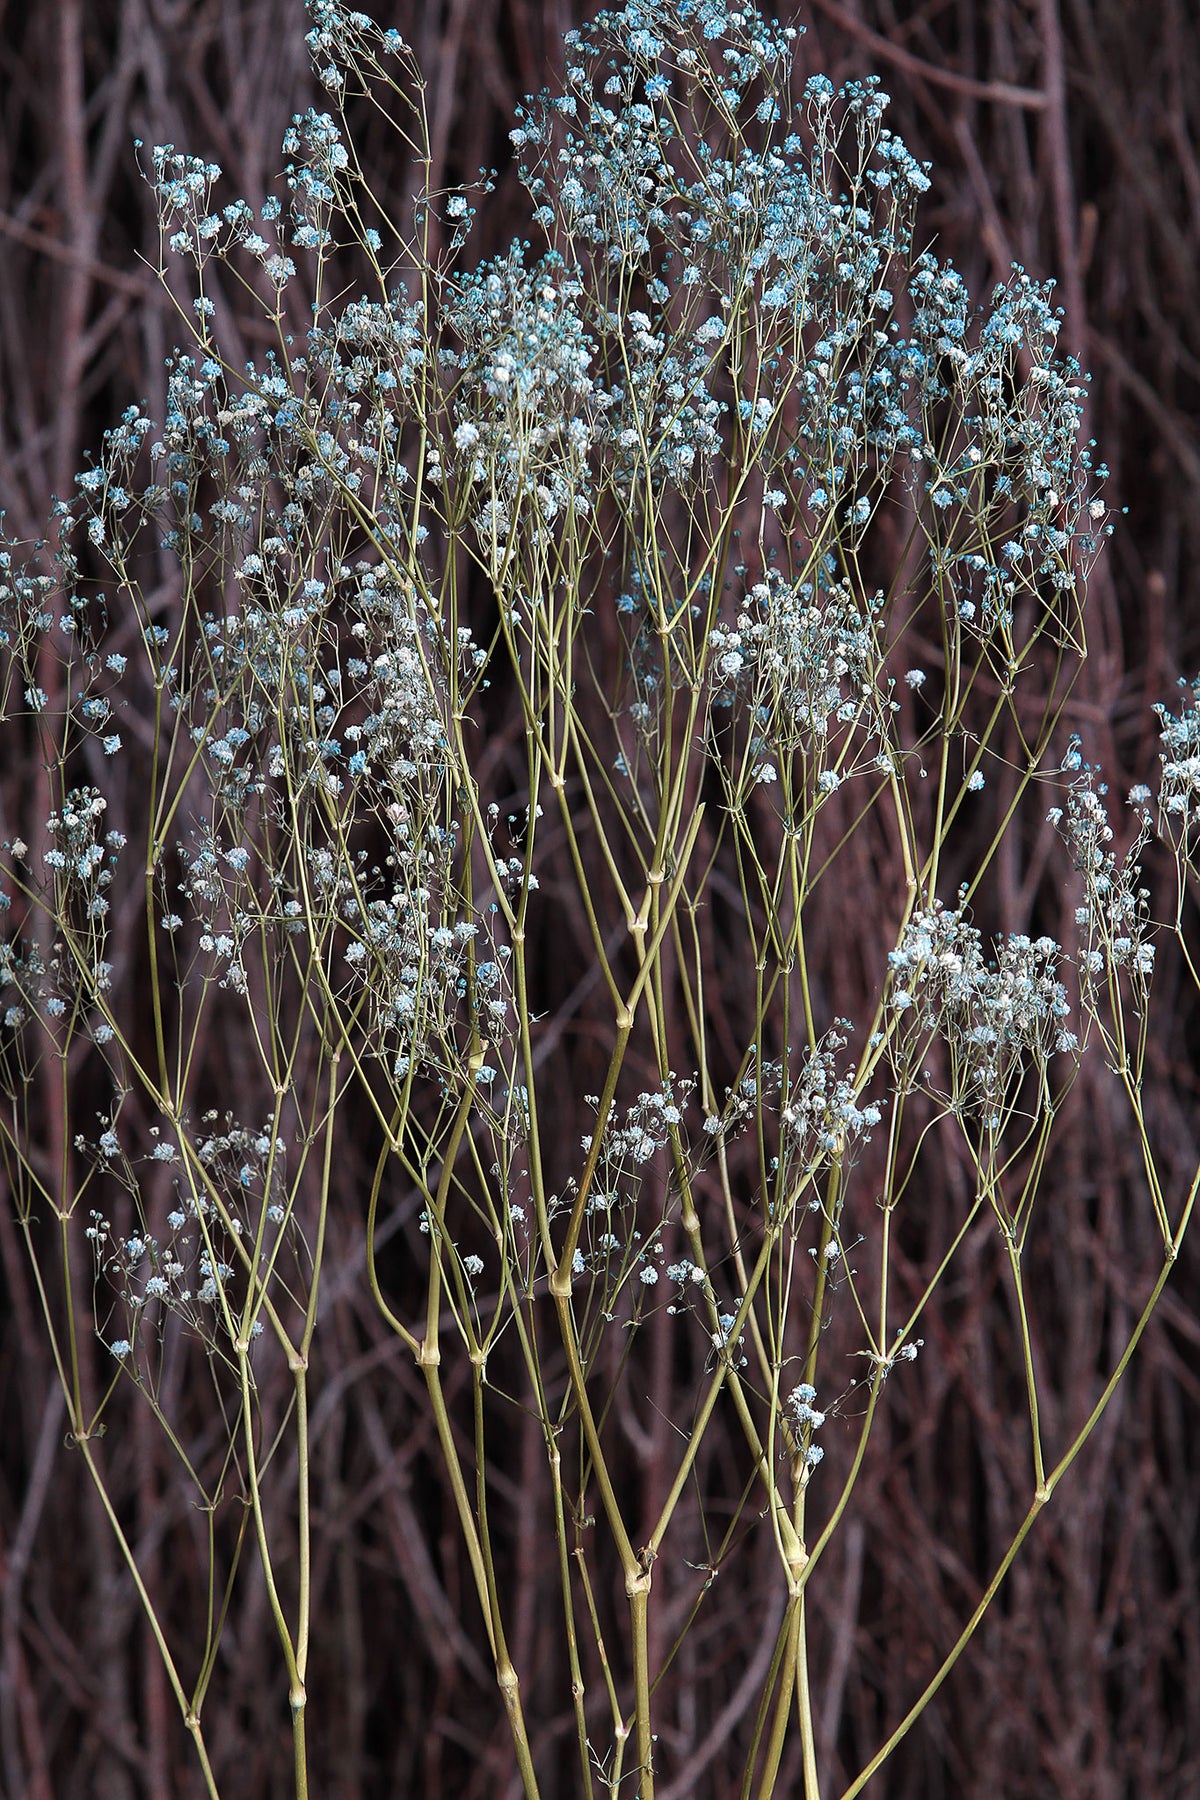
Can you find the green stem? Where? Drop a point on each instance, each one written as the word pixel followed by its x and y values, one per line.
pixel 783 1702
pixel 1040 1500
pixel 1039 1470
pixel 564 1575
pixel 808 1746
pixel 190 1714
pixel 297 1698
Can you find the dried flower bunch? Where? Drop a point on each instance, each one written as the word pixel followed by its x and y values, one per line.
pixel 772 544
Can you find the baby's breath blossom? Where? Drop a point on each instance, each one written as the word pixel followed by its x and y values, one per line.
pixel 671 434
pixel 1114 920
pixel 993 1013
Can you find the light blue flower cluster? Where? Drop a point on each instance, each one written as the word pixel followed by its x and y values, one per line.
pixel 376 350
pixel 741 235
pixel 616 1250
pixel 1179 783
pixel 800 656
pixel 193 1273
pixel 1114 921
pixel 806 1420
pixel 820 1108
pixel 996 1015
pixel 629 1142
pixel 524 403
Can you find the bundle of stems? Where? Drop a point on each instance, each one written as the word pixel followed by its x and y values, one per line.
pixel 571 637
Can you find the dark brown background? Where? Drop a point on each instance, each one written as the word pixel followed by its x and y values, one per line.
pixel 1065 134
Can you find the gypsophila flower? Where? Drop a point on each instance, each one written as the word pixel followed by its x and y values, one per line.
pixel 1114 921
pixel 644 516
pixel 803 1411
pixel 684 1273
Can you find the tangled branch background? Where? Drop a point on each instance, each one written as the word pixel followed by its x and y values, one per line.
pixel 569 825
